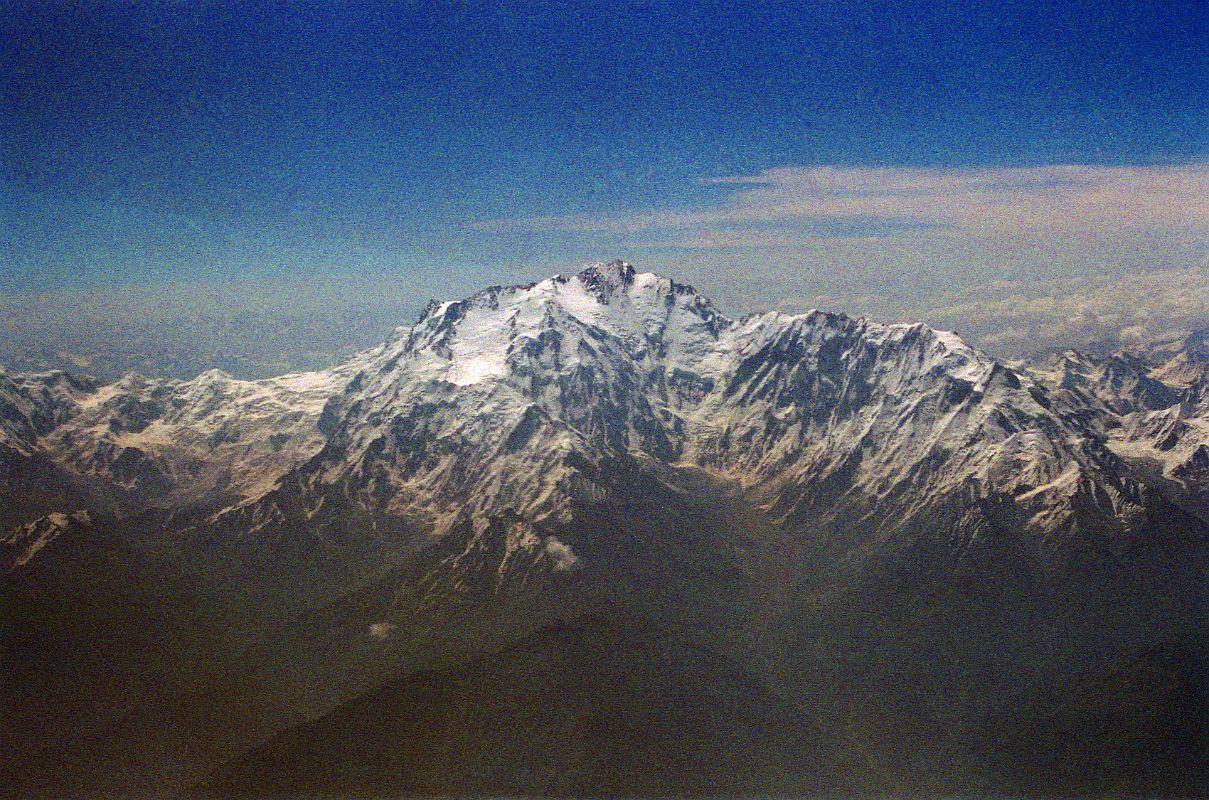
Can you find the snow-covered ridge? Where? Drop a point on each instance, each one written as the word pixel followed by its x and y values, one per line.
pixel 1153 401
pixel 512 403
pixel 170 442
pixel 511 400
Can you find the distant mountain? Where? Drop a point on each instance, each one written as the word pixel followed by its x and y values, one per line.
pixel 1152 405
pixel 590 536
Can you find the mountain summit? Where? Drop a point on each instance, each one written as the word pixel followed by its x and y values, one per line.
pixel 593 529
pixel 515 399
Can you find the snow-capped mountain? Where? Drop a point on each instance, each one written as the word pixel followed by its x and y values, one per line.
pixel 513 400
pixel 142 442
pixel 1152 404
pixel 486 405
pixel 815 510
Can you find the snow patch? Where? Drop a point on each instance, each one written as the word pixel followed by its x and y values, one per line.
pixel 561 554
pixel 381 630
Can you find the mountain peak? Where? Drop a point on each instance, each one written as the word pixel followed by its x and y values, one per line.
pixel 609 275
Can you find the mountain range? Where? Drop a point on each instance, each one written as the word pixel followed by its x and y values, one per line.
pixel 590 536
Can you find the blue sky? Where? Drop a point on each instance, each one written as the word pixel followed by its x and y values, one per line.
pixel 178 141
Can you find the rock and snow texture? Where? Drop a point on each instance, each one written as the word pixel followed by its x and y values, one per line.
pixel 20 545
pixel 497 415
pixel 515 402
pixel 165 442
pixel 1152 404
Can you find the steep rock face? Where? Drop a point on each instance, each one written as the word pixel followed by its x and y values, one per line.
pixel 141 442
pixel 496 424
pixel 512 401
pixel 24 542
pixel 33 405
pixel 33 482
pixel 1122 382
pixel 1182 361
pixel 862 423
pixel 179 441
pixel 1152 404
pixel 492 405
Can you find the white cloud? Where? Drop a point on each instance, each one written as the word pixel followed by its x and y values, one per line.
pixel 1075 243
pixel 1020 201
pixel 1020 317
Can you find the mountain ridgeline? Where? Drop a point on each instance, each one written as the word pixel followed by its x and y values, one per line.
pixel 589 536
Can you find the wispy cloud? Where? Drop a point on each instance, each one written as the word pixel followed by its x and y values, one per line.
pixel 809 202
pixel 1016 317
